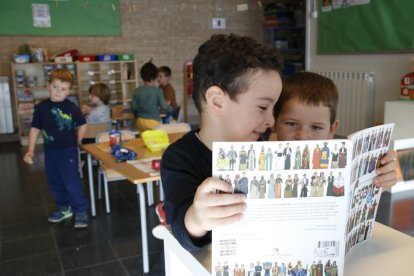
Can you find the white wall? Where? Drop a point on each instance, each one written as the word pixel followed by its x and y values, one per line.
pixel 389 68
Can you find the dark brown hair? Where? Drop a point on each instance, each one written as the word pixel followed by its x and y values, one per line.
pixel 229 61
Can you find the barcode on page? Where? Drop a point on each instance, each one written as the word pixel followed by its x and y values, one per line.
pixel 228 247
pixel 327 249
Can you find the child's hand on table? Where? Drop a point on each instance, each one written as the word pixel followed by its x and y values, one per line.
pixel 387 174
pixel 210 209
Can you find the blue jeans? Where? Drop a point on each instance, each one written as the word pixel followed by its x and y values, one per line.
pixel 62 171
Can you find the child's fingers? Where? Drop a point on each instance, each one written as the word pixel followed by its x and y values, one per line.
pixel 389 157
pixel 218 212
pixel 387 167
pixel 386 180
pixel 212 184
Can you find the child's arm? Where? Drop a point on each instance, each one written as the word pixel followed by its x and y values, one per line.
pixel 33 134
pixel 211 209
pixel 81 133
pixel 387 175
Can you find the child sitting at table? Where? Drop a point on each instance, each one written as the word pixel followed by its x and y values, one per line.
pixel 164 77
pixel 98 110
pixel 148 100
pixel 306 110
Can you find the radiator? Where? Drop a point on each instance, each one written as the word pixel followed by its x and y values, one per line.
pixel 356 99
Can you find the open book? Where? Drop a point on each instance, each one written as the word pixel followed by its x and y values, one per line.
pixel 308 203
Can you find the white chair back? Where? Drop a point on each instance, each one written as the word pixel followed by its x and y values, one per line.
pixel 175 127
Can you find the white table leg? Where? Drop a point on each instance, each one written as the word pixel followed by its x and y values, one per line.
pixel 91 189
pixel 142 208
pixel 150 193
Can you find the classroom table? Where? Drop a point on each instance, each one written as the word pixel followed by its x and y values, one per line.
pixel 388 252
pixel 136 176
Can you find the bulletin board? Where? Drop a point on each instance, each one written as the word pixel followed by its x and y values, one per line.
pixel 60 17
pixel 365 25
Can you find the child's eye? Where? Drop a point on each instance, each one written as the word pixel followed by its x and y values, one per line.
pixel 317 127
pixel 264 108
pixel 290 123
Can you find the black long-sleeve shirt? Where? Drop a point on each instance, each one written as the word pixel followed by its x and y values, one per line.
pixel 184 166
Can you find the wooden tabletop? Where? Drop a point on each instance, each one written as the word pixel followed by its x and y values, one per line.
pixel 101 152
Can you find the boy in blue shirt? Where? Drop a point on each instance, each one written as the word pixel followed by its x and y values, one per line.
pixel 62 126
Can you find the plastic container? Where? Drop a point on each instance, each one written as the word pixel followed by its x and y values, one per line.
pixel 86 58
pixel 155 140
pixel 125 57
pixel 106 57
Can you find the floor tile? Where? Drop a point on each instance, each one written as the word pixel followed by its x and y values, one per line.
pixel 27 230
pixel 26 247
pixel 106 269
pixel 34 265
pixel 86 255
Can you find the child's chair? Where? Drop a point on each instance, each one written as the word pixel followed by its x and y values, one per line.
pixel 92 129
pixel 108 174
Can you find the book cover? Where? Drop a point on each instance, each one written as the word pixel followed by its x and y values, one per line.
pixel 308 203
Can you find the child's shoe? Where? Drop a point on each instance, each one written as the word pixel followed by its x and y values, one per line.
pixel 81 220
pixel 60 214
pixel 159 210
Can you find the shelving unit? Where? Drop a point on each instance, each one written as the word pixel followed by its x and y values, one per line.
pixel 30 85
pixel 284 28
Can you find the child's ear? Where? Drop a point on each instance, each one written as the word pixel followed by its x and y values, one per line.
pixel 334 127
pixel 214 99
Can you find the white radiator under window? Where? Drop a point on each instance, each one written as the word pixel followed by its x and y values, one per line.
pixel 356 99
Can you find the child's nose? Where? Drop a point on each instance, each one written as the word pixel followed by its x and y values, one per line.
pixel 301 134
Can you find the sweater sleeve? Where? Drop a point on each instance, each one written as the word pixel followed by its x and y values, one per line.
pixel 183 168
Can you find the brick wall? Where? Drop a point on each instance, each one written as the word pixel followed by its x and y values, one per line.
pixel 168 31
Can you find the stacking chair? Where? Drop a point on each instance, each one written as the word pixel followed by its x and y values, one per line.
pixel 104 171
pixel 91 131
pixel 175 127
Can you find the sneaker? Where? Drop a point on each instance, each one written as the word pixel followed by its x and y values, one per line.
pixel 60 214
pixel 81 220
pixel 159 210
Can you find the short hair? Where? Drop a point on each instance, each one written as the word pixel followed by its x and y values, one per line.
pixel 102 91
pixel 228 61
pixel 166 70
pixel 310 89
pixel 63 75
pixel 148 71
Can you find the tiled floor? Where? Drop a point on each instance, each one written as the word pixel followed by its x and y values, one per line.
pixel 112 244
pixel 29 245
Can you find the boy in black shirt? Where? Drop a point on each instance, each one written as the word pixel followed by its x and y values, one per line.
pixel 62 125
pixel 236 84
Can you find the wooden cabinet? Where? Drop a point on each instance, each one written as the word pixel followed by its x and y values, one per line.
pixel 120 76
pixel 30 85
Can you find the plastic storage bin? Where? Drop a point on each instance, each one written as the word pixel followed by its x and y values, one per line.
pixel 106 57
pixel 155 140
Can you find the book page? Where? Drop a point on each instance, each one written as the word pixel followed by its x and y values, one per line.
pixel 296 207
pixel 369 146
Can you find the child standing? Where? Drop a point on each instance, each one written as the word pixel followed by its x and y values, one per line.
pixel 62 125
pixel 236 84
pixel 148 99
pixel 306 110
pixel 98 110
